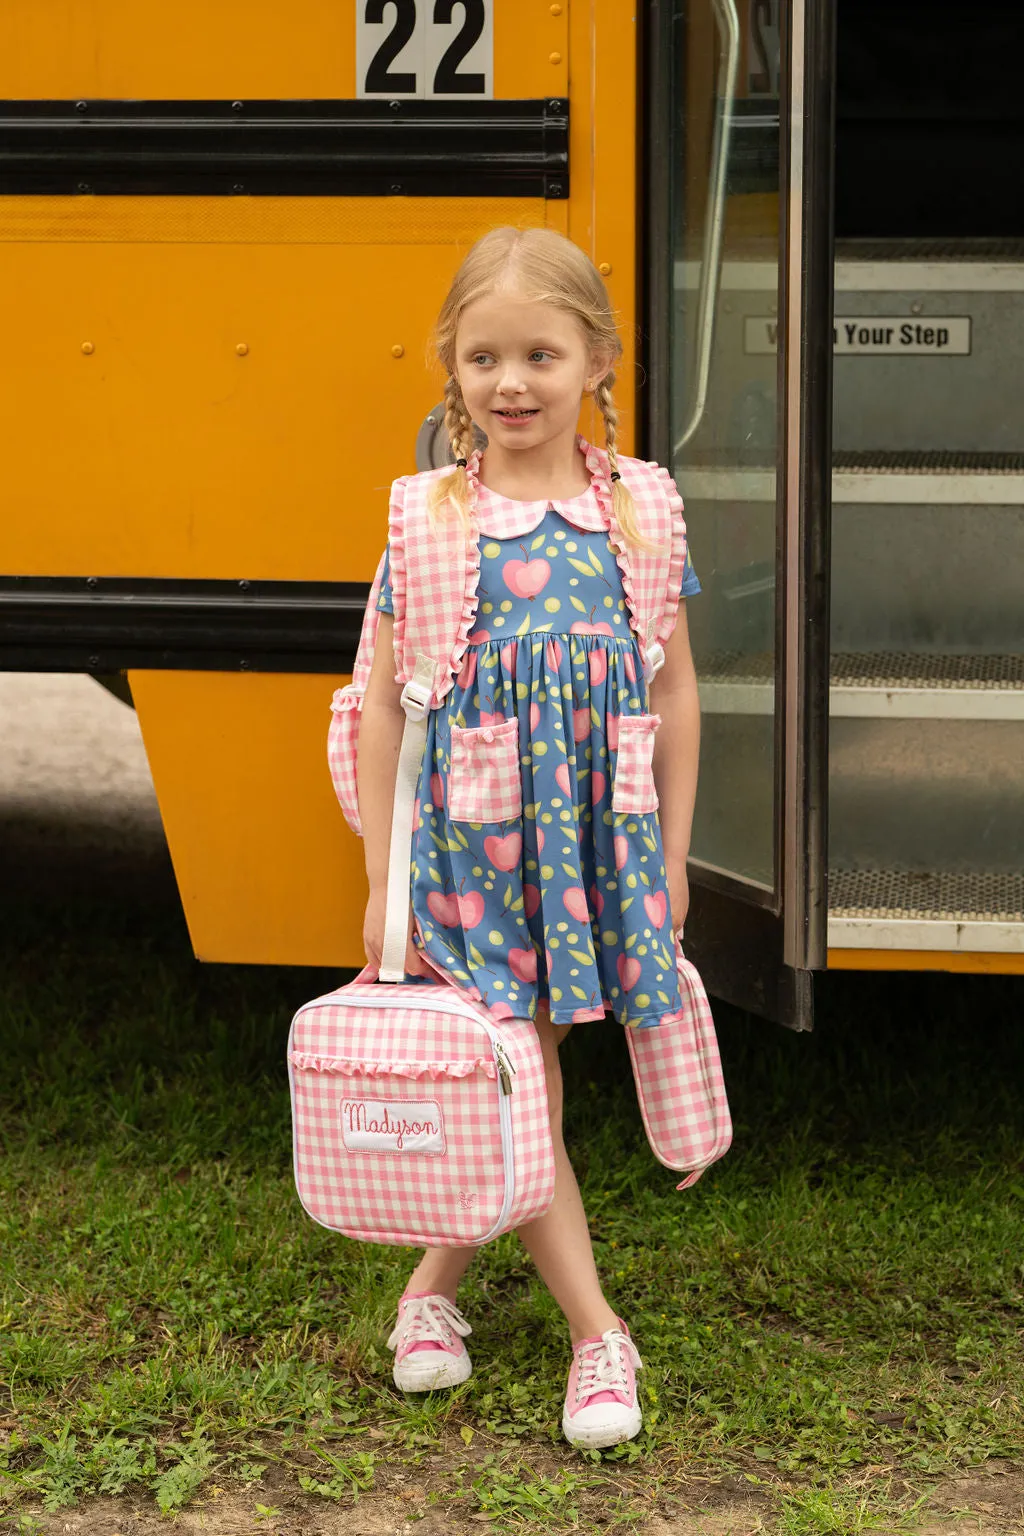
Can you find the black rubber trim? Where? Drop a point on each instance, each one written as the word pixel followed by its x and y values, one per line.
pixel 107 624
pixel 367 148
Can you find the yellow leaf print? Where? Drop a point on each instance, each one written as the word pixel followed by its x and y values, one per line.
pixel 577 604
pixel 630 940
pixel 570 871
pixel 475 955
pixel 538 541
pixel 524 628
pixel 578 565
pixel 579 992
pixel 595 561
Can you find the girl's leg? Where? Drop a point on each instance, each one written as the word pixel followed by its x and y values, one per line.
pixel 559 1241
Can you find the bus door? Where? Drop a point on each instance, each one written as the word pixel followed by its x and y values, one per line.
pixel 739 271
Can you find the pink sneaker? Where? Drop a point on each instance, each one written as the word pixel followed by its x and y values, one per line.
pixel 601 1408
pixel 427 1340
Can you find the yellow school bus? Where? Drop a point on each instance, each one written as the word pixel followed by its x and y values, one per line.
pixel 225 232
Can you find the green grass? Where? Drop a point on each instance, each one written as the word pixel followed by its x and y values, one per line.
pixel 833 1315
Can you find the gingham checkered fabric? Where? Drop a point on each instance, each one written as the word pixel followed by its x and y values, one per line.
pixel 633 788
pixel 485 782
pixel 452 1192
pixel 346 709
pixel 436 614
pixel 679 1083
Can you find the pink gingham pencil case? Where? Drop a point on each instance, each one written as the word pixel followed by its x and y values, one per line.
pixel 416 1118
pixel 679 1083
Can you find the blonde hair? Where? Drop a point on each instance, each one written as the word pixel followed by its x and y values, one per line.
pixel 549 269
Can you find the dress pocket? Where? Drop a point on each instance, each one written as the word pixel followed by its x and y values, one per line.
pixel 633 787
pixel 484 782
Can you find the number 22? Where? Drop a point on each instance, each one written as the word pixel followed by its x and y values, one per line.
pixel 382 80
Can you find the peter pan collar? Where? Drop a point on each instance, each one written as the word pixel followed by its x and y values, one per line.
pixel 498 517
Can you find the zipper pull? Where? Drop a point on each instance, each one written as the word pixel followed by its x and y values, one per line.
pixel 505 1067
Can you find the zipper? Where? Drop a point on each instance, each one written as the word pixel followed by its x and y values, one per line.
pixel 503 1084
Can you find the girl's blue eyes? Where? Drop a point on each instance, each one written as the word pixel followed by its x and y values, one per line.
pixel 481 359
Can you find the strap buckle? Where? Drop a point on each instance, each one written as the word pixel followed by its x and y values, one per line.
pixel 655 659
pixel 418 693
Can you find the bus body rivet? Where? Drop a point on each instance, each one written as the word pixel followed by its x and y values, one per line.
pixel 243 585
pixel 90 581
pixel 555 58
pixel 398 350
pixel 605 269
pixel 236 106
pixel 88 348
pixel 556 10
pixel 83 186
pixel 917 308
pixel 81 106
pixel 238 187
pixel 242 349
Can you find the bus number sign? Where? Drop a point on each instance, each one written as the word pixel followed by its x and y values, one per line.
pixel 442 49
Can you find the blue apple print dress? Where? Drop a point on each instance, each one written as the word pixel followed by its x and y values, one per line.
pixel 538 875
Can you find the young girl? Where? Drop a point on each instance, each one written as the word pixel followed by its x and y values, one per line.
pixel 551 674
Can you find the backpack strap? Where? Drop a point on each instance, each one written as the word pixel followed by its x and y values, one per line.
pixel 651 579
pixel 434 616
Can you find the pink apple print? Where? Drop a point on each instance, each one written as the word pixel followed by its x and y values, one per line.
pixel 531 899
pixel 468 672
pixel 554 654
pixel 596 900
pixel 598 667
pixel 575 902
pixel 548 960
pixel 525 578
pixel 509 654
pixel 444 909
pixel 612 726
pixel 562 778
pixel 656 906
pixel 586 627
pixel 597 787
pixel 500 1010
pixel 534 716
pixel 416 812
pixel 436 790
pixel 621 852
pixel 488 717
pixel 479 637
pixel 582 1015
pixel 540 839
pixel 629 972
pixel 523 963
pixel 580 724
pixel 503 852
pixel 630 666
pixel 471 909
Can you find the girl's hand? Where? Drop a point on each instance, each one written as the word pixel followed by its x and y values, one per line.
pixel 373 935
pixel 678 895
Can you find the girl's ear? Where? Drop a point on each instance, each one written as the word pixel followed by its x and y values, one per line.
pixel 600 366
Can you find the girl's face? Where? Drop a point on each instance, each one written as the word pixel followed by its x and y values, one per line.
pixel 523 367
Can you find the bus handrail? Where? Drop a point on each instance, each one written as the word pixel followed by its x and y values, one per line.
pixel 729 30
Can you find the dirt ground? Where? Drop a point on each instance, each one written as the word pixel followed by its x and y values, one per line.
pixel 987 1502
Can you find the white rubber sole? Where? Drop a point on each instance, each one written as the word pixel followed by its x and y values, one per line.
pixel 599 1434
pixel 423 1375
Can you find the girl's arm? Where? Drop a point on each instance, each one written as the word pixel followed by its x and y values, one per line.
pixel 380 741
pixel 674 697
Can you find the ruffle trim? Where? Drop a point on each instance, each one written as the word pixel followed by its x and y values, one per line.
pixel 467 621
pixel 597 464
pixel 347 1067
pixel 396 546
pixel 677 556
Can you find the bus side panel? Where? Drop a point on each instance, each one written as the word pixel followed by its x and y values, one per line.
pixel 268 871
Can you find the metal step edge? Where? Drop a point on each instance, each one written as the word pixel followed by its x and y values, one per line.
pixel 720 696
pixel 967 274
pixel 888 487
pixel 954 935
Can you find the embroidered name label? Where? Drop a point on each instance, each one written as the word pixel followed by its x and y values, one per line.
pixel 392 1125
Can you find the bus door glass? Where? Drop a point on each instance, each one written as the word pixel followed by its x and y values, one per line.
pixel 739 264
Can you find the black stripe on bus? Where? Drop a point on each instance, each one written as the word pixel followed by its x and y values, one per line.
pixel 364 148
pixel 106 624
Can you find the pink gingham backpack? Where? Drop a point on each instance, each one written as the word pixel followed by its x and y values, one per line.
pixel 418 1118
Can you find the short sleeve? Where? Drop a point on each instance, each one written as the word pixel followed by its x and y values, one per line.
pixel 691 585
pixel 385 600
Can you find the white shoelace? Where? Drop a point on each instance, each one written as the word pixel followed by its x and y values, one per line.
pixel 603 1364
pixel 429 1319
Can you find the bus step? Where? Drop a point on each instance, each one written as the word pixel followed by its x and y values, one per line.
pixel 953 911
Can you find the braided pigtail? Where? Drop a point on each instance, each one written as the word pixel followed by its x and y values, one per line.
pixel 453 489
pixel 623 505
